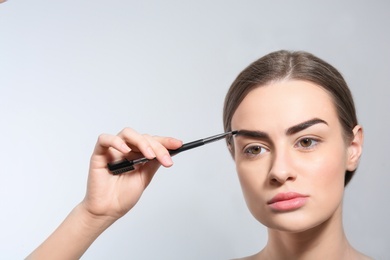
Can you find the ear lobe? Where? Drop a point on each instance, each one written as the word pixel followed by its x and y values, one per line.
pixel 355 148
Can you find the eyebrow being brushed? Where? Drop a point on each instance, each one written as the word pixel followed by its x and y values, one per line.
pixel 290 131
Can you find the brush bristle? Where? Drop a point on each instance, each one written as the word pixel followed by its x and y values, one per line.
pixel 122 170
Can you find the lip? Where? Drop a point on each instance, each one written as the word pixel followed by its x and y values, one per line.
pixel 287 201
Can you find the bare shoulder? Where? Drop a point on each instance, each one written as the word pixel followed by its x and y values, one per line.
pixel 355 256
pixel 360 256
pixel 352 254
pixel 365 257
pixel 252 257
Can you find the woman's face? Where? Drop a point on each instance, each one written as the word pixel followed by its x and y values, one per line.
pixel 291 155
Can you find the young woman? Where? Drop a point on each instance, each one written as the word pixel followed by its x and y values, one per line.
pixel 298 145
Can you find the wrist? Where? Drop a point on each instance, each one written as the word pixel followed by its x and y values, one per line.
pixel 73 237
pixel 92 223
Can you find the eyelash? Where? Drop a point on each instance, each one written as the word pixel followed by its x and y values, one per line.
pixel 249 150
pixel 313 143
pixel 257 150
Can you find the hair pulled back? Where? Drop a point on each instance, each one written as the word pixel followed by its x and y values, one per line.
pixel 294 65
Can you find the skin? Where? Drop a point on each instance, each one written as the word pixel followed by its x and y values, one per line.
pixel 295 143
pixel 311 231
pixel 108 196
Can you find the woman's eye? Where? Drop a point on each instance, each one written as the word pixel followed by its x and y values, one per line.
pixel 255 150
pixel 307 143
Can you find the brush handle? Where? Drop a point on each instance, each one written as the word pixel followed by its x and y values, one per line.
pixel 125 165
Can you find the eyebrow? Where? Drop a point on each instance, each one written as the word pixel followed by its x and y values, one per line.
pixel 253 134
pixel 302 126
pixel 290 131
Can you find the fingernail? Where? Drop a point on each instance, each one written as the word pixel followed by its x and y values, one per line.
pixel 151 153
pixel 125 148
pixel 167 160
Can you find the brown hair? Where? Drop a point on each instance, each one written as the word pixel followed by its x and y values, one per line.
pixel 297 65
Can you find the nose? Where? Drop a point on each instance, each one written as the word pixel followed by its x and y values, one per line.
pixel 281 169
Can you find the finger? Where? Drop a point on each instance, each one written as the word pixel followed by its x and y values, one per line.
pixel 160 146
pixel 106 141
pixel 137 142
pixel 169 142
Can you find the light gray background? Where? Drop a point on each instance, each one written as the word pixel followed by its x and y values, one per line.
pixel 70 70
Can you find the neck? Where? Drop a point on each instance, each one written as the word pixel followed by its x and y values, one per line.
pixel 327 240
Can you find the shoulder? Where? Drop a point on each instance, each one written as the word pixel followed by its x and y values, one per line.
pixel 360 256
pixel 252 257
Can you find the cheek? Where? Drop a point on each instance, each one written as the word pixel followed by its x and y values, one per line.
pixel 324 176
pixel 251 173
pixel 323 170
pixel 252 177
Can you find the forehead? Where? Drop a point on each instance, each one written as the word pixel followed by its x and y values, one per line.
pixel 283 103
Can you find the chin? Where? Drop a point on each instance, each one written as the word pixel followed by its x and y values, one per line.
pixel 293 222
pixel 293 228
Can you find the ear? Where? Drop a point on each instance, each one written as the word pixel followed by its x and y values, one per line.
pixel 355 148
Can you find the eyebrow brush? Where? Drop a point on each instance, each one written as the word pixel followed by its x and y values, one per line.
pixel 128 165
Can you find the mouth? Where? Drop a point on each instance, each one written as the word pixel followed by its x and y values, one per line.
pixel 287 201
